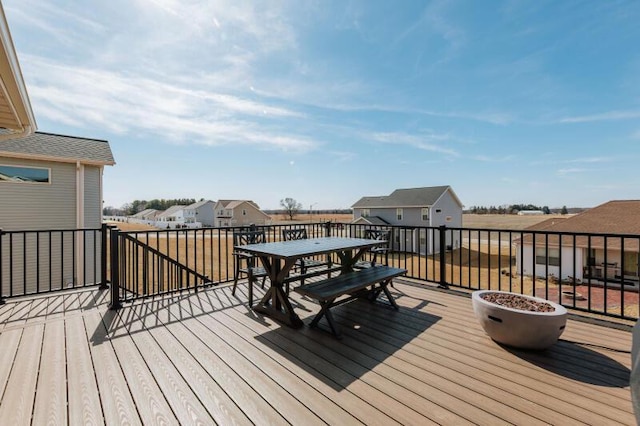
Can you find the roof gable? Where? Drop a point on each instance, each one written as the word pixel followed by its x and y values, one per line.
pixel 52 147
pixel 171 210
pixel 411 197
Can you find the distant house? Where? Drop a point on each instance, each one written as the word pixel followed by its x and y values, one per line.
pixel 239 213
pixel 200 212
pixel 50 181
pixel 171 217
pixel 593 258
pixel 416 209
pixel 530 213
pixel 146 214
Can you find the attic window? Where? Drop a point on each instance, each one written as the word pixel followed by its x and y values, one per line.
pixel 17 174
pixel 438 211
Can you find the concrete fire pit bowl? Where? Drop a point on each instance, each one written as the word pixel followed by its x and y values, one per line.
pixel 517 320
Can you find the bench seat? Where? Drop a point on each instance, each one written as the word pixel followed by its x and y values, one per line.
pixel 354 284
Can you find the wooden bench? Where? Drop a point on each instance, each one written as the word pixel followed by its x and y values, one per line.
pixel 354 284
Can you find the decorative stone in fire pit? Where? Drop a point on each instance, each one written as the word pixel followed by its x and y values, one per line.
pixel 517 320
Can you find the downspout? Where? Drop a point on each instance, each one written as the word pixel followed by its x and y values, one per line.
pixel 79 272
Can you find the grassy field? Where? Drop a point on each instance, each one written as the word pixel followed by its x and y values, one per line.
pixel 504 221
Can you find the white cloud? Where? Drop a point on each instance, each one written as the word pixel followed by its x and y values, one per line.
pixel 605 116
pixel 427 142
pixel 128 104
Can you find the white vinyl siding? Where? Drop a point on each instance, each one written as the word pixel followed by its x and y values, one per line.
pixel 26 207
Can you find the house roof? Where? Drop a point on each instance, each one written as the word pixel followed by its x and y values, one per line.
pixel 199 204
pixel 619 217
pixel 145 212
pixel 613 217
pixel 371 220
pixel 170 211
pixel 15 108
pixel 232 204
pixel 60 148
pixel 411 197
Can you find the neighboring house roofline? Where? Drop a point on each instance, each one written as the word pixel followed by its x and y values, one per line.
pixel 407 198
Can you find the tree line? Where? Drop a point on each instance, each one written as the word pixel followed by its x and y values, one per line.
pixel 136 206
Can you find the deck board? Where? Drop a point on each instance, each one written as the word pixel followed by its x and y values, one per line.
pixel 51 397
pixel 17 401
pixel 149 398
pixel 84 398
pixel 205 357
pixel 118 406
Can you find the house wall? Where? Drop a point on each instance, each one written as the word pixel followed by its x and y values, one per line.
pixel 50 260
pixel 39 206
pixel 253 216
pixel 525 263
pixel 205 214
pixel 450 212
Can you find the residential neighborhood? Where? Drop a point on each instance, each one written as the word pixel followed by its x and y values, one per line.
pixel 402 309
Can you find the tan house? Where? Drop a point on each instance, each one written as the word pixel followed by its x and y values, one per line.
pixel 238 213
pixel 609 254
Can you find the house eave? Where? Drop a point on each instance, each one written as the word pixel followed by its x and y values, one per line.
pixel 16 114
pixel 26 156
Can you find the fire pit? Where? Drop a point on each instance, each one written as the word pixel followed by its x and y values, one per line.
pixel 517 320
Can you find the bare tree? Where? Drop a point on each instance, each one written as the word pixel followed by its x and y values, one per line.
pixel 291 206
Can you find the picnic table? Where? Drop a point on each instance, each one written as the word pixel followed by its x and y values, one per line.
pixel 278 258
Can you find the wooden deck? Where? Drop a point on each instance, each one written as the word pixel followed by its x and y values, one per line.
pixel 204 358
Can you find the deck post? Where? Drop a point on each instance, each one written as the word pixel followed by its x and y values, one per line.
pixel 327 229
pixel 115 270
pixel 443 257
pixel 2 301
pixel 104 283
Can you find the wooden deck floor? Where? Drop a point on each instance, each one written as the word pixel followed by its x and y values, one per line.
pixel 204 358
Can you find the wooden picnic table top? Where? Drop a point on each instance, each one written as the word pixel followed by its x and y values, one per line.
pixel 308 247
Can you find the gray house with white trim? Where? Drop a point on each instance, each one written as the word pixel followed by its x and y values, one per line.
pixel 416 210
pixel 53 182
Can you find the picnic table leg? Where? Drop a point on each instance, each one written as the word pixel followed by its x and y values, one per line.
pixel 275 302
pixel 326 312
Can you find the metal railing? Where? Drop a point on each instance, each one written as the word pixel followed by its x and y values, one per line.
pixel 590 272
pixel 42 261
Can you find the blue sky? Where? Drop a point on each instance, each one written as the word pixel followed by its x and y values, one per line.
pixel 328 101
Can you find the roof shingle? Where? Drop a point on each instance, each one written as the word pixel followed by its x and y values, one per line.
pixel 63 148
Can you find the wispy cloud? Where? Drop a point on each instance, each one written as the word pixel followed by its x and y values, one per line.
pixel 572 170
pixel 489 159
pixel 427 142
pixel 128 104
pixel 605 116
pixel 583 160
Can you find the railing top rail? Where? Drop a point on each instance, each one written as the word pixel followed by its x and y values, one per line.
pixel 35 231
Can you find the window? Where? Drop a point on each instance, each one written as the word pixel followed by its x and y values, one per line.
pixel 366 212
pixel 399 214
pixel 425 214
pixel 552 257
pixel 17 174
pixel 244 212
